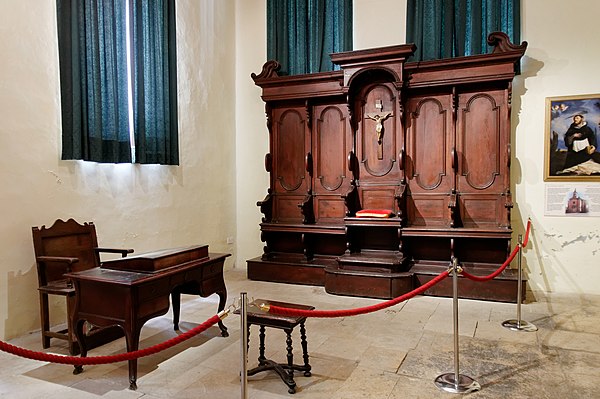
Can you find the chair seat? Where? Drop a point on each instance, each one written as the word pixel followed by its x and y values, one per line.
pixel 57 288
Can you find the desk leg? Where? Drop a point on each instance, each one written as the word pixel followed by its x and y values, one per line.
pixel 78 324
pixel 222 301
pixel 176 300
pixel 132 336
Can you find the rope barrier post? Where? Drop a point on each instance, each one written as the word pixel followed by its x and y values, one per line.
pixel 456 382
pixel 518 324
pixel 244 343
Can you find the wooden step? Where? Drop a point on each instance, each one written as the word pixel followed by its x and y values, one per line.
pixel 373 261
pixel 367 283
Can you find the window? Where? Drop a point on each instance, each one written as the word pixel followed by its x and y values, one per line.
pixel 302 33
pixel 453 28
pixel 118 80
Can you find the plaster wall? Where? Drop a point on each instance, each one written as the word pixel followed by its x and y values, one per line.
pixel 144 207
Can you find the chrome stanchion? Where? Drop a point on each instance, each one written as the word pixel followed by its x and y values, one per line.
pixel 518 324
pixel 456 382
pixel 244 343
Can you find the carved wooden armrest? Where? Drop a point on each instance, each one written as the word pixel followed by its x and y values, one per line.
pixel 453 205
pixel 400 196
pixel 509 202
pixel 121 251
pixel 57 259
pixel 45 261
pixel 351 200
pixel 266 207
pixel 306 209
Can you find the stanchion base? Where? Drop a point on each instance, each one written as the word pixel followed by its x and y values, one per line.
pixel 447 382
pixel 517 325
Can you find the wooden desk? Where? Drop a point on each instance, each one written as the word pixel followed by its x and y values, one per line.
pixel 129 298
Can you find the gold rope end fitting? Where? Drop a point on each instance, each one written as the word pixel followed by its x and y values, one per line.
pixel 223 313
pixel 454 264
pixel 265 307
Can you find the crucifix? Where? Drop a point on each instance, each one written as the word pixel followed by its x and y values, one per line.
pixel 379 118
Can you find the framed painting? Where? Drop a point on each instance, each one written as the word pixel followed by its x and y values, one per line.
pixel 572 135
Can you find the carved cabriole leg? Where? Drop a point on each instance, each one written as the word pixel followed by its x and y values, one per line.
pixel 307 367
pixel 222 293
pixel 132 338
pixel 78 325
pixel 176 301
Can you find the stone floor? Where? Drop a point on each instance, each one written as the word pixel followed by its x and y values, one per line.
pixel 391 354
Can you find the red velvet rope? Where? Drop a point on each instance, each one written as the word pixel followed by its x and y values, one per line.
pixel 497 272
pixel 353 312
pixel 80 361
pixel 527 233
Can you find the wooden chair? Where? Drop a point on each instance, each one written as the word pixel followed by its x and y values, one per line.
pixel 64 247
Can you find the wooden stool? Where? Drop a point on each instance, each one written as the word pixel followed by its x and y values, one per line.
pixel 263 319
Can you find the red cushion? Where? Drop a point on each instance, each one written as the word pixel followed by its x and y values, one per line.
pixel 374 213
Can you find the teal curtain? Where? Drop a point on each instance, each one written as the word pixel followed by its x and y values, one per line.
pixel 155 82
pixel 93 82
pixel 454 28
pixel 302 33
pixel 92 39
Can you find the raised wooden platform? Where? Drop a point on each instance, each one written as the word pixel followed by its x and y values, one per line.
pixel 377 283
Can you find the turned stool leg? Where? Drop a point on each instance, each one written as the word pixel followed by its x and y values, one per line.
pixel 248 338
pixel 290 360
pixel 261 346
pixel 304 349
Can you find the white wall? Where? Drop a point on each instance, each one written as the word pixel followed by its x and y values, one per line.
pixel 142 207
pixel 212 195
pixel 252 138
pixel 561 60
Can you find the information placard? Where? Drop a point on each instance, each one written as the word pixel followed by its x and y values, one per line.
pixel 572 200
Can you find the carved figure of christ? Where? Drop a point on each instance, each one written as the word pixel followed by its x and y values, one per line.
pixel 379 118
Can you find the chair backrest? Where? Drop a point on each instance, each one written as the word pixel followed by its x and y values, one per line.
pixel 66 239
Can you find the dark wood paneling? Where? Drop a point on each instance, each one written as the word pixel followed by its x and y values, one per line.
pixel 429 141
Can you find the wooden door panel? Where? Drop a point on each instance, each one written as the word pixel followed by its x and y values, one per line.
pixel 289 136
pixel 482 210
pixel 378 198
pixel 482 147
pixel 428 210
pixel 329 208
pixel 286 209
pixel 331 144
pixel 429 173
pixel 429 143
